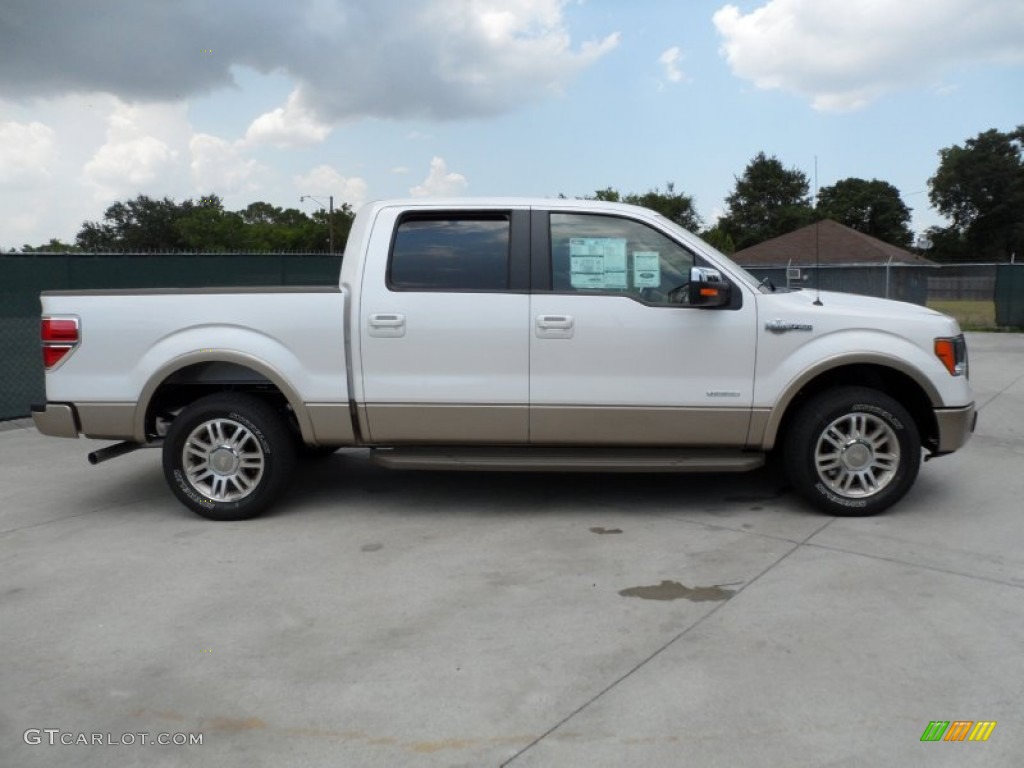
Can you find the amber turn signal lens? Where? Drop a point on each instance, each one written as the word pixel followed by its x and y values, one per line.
pixel 953 354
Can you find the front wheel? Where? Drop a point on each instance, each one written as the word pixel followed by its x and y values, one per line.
pixel 852 451
pixel 228 456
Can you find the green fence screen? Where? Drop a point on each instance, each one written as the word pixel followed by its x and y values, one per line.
pixel 1010 295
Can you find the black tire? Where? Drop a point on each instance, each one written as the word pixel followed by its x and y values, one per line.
pixel 228 456
pixel 852 451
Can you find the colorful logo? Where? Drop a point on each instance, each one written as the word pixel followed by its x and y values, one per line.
pixel 958 730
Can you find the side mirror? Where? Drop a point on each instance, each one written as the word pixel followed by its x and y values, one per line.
pixel 708 288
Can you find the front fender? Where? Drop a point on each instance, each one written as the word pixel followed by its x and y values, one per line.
pixel 776 386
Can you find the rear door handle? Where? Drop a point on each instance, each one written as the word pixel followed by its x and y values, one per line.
pixel 555 326
pixel 387 326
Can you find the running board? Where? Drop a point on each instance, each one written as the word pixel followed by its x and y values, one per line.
pixel 567 459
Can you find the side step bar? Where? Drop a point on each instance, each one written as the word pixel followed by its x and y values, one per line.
pixel 568 459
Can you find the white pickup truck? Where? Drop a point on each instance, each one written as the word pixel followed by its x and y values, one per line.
pixel 510 334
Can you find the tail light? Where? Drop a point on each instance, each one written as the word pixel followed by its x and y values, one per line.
pixel 60 336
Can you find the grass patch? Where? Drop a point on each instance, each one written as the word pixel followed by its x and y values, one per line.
pixel 972 315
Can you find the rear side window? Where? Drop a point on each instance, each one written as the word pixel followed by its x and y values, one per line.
pixel 451 253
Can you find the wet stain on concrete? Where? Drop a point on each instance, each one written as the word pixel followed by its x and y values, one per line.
pixel 236 725
pixel 673 590
pixel 233 724
pixel 371 547
pixel 428 747
pixel 605 531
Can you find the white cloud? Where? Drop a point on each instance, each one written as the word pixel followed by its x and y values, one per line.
pixel 27 152
pixel 442 59
pixel 669 61
pixel 439 182
pixel 325 180
pixel 844 55
pixel 220 166
pixel 293 125
pixel 140 151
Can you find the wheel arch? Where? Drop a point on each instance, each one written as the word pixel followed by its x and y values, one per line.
pixel 891 376
pixel 195 374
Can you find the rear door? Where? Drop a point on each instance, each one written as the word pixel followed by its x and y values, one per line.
pixel 612 360
pixel 443 318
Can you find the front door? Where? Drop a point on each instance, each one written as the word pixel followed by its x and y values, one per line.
pixel 614 361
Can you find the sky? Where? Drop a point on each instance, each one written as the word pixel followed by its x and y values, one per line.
pixel 367 99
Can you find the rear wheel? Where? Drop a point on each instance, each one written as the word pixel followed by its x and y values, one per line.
pixel 852 451
pixel 228 456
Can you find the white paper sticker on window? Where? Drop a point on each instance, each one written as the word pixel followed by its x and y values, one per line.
pixel 597 263
pixel 646 269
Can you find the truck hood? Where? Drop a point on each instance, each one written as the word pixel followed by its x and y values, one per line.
pixel 865 311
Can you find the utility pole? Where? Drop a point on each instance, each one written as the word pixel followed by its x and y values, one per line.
pixel 330 220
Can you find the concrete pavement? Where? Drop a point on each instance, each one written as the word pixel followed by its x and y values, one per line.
pixel 410 619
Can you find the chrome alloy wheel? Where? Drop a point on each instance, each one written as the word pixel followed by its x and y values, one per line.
pixel 857 455
pixel 223 460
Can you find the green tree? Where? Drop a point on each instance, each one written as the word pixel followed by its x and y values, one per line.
pixel 271 228
pixel 54 246
pixel 768 201
pixel 142 224
pixel 206 226
pixel 719 239
pixel 872 207
pixel 673 205
pixel 608 195
pixel 979 187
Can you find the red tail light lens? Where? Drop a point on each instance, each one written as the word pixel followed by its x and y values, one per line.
pixel 60 335
pixel 54 354
pixel 60 329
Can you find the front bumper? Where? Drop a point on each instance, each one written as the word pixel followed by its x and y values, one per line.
pixel 955 427
pixel 55 419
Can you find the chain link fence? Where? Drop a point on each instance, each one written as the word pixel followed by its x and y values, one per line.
pixel 24 276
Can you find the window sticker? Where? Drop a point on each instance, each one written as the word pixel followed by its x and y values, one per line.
pixel 598 262
pixel 646 269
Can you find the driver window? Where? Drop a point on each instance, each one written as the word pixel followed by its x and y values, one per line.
pixel 606 254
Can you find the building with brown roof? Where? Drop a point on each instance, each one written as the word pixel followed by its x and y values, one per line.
pixel 833 242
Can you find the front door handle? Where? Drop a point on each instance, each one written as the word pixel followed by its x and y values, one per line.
pixel 555 326
pixel 387 326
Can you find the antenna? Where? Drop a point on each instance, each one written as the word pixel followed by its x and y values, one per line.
pixel 817 241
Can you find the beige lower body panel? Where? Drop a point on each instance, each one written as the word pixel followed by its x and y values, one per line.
pixel 107 421
pixel 394 424
pixel 447 424
pixel 956 425
pixel 759 418
pixel 55 420
pixel 586 425
pixel 332 423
